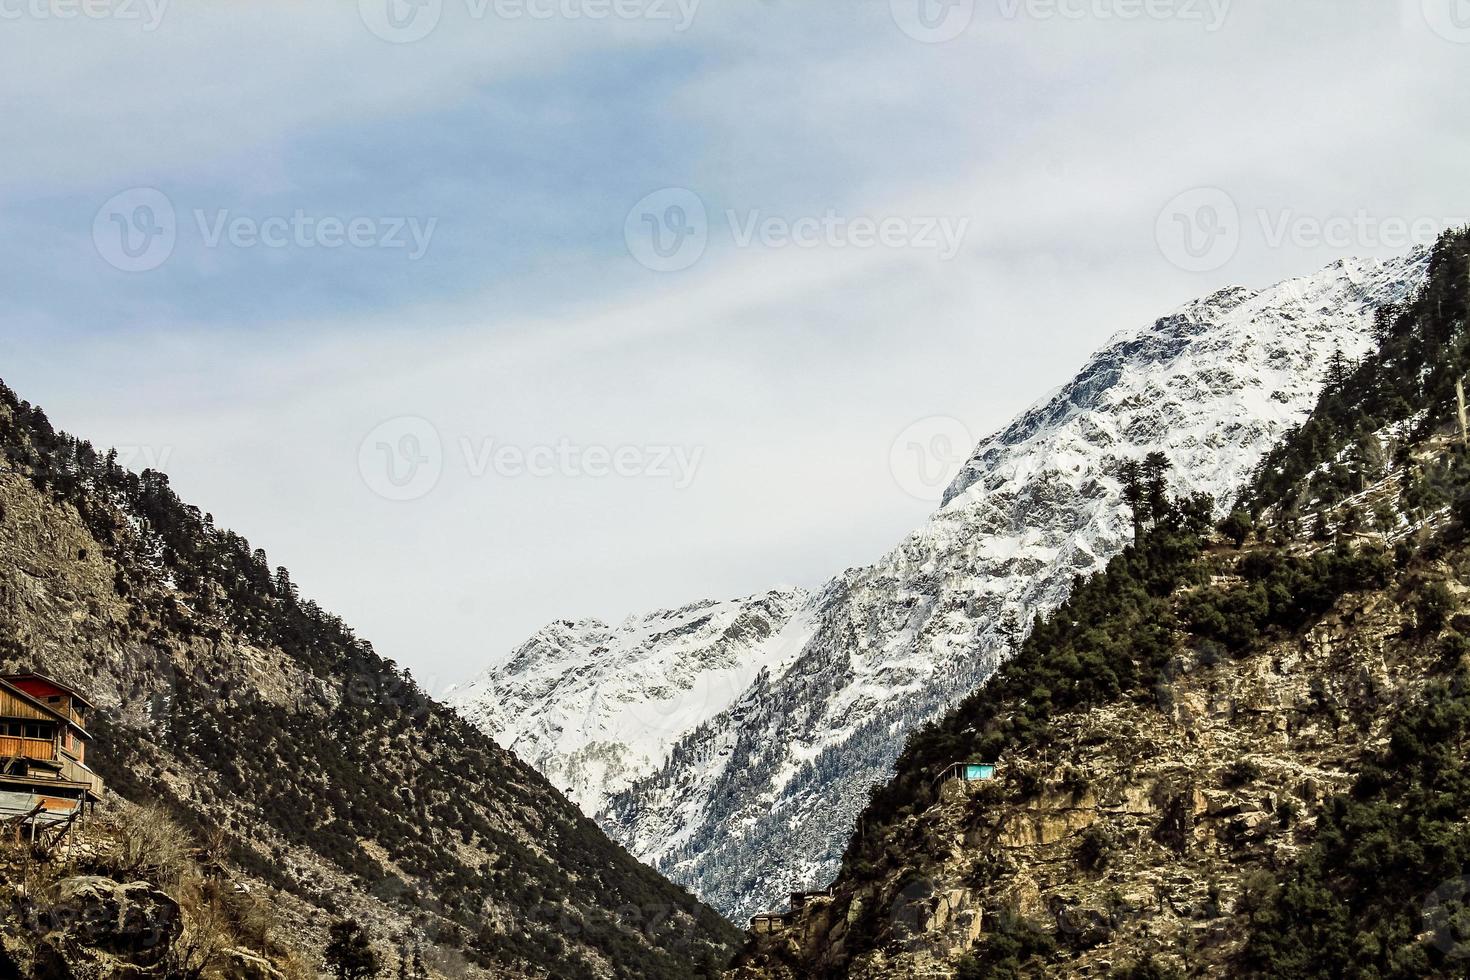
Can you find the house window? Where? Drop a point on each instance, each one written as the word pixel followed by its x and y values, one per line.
pixel 34 729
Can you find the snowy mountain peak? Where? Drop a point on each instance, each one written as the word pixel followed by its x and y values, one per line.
pixel 595 706
pixel 750 790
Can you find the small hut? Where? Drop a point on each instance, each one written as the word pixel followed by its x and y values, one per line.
pixel 969 772
pixel 767 923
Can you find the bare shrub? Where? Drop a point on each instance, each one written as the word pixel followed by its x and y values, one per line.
pixel 207 929
pixel 150 845
pixel 295 966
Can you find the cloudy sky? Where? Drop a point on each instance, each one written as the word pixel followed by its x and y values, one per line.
pixel 482 313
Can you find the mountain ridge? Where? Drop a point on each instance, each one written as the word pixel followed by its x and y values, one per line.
pixel 1238 751
pixel 333 783
pixel 758 800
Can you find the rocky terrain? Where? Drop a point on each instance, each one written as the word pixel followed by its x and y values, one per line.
pixel 760 798
pixel 1232 753
pixel 336 787
pixel 127 893
pixel 1140 831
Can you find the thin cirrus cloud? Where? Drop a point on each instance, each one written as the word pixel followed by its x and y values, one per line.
pixel 259 372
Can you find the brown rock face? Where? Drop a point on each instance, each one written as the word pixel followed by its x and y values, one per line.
pixel 1137 832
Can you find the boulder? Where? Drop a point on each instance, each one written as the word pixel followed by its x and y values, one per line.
pixel 135 921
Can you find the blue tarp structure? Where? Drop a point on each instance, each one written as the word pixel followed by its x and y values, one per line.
pixel 975 772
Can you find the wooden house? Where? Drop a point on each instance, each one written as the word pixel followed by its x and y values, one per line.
pixel 44 778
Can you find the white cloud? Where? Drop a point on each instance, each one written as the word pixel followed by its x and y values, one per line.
pixel 791 369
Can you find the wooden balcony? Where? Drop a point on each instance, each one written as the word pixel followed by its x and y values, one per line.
pixel 40 749
pixel 63 770
pixel 74 772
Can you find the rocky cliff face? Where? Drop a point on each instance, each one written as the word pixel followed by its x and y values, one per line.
pixel 1138 833
pixel 337 786
pixel 761 799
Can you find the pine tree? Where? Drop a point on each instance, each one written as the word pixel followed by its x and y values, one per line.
pixel 349 955
pixel 1337 370
pixel 1156 468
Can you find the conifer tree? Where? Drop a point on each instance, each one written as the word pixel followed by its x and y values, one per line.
pixel 349 955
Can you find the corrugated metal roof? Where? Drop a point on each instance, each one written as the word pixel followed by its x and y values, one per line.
pixel 13 805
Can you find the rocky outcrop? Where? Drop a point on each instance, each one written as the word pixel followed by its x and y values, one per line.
pixel 1139 831
pixel 85 927
pixel 136 921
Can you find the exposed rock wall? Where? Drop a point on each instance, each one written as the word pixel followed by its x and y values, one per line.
pixel 1139 831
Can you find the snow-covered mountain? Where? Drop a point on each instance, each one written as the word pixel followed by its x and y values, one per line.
pixel 760 798
pixel 595 707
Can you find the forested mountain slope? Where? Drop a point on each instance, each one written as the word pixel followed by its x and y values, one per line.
pixel 334 781
pixel 1240 752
